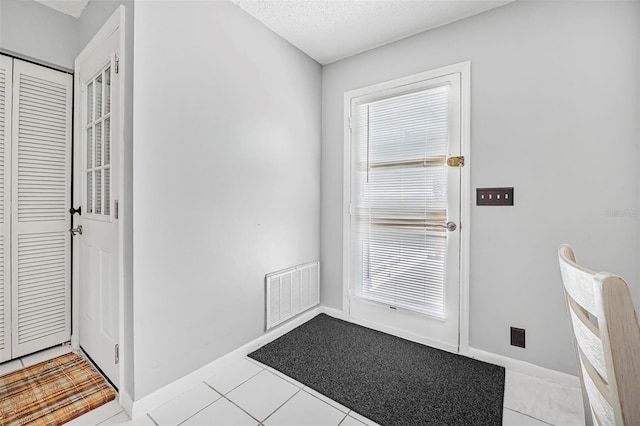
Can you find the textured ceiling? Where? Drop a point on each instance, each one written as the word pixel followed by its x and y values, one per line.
pixel 70 7
pixel 328 30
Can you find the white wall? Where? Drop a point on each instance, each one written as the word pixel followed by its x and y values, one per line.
pixel 33 31
pixel 91 20
pixel 226 179
pixel 554 107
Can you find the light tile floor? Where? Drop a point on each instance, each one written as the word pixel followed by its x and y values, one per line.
pixel 245 392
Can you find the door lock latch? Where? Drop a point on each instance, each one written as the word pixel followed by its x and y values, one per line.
pixel 73 211
pixel 76 231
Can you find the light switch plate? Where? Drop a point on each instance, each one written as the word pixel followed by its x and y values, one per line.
pixel 494 196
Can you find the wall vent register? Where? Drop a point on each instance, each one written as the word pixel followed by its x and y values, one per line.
pixel 291 291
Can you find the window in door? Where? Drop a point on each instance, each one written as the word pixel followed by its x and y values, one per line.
pixel 98 145
pixel 401 196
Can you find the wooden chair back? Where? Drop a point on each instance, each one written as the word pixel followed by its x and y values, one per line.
pixel 607 340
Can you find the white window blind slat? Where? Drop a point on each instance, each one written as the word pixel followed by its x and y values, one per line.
pixel 399 185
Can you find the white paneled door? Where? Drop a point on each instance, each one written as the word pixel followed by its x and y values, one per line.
pixel 404 253
pixel 35 182
pixel 96 183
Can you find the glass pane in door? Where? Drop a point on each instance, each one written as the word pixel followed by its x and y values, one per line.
pixel 107 91
pixel 99 96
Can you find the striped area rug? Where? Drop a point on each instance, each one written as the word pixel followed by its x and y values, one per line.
pixel 52 392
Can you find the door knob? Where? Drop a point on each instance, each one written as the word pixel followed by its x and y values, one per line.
pixel 76 231
pixel 449 226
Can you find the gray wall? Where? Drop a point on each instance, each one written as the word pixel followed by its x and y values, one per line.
pixel 91 20
pixel 33 31
pixel 226 179
pixel 554 107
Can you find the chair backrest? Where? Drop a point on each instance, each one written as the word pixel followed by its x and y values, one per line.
pixel 607 340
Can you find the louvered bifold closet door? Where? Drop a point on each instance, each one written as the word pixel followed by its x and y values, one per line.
pixel 41 196
pixel 6 65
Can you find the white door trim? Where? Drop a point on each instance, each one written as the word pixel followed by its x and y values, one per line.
pixel 115 22
pixel 464 68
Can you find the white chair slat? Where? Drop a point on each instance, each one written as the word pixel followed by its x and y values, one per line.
pixel 598 401
pixel 590 344
pixel 578 283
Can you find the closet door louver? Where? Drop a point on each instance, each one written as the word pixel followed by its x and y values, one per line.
pixel 41 196
pixel 6 65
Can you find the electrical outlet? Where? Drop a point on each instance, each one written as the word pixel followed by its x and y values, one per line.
pixel 517 337
pixel 494 196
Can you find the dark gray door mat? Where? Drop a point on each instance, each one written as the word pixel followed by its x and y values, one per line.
pixel 390 380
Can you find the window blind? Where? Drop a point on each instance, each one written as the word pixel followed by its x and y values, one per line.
pixel 399 200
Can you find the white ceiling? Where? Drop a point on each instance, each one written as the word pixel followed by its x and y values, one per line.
pixel 70 7
pixel 329 30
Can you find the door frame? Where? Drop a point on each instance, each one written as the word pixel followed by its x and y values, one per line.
pixel 114 23
pixel 464 68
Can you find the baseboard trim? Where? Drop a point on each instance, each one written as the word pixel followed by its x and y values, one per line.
pixel 524 367
pixel 332 312
pixel 155 399
pixel 126 402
